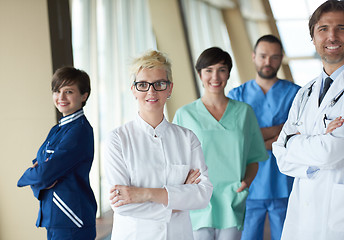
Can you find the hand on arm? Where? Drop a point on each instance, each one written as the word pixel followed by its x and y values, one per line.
pixel 35 165
pixel 65 157
pixel 271 132
pixel 338 122
pixel 121 195
pixel 268 143
pixel 192 177
pixel 250 174
pixel 52 185
pixel 270 135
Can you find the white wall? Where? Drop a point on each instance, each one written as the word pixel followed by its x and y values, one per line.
pixel 27 111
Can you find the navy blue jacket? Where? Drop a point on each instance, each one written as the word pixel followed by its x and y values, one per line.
pixel 66 156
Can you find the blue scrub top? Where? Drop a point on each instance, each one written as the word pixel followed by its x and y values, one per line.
pixel 271 109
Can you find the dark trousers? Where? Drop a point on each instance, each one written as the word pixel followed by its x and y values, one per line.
pixel 88 233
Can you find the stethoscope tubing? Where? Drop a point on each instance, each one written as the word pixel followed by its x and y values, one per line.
pixel 304 102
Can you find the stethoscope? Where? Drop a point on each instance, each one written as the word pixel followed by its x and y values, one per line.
pixel 335 100
pixel 305 100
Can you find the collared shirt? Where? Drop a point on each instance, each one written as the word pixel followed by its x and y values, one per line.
pixel 333 76
pixel 138 155
pixel 70 118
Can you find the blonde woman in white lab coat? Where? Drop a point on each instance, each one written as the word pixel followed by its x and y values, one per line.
pixel 156 169
pixel 311 144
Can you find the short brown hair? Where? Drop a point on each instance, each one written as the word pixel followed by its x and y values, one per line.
pixel 270 39
pixel 213 56
pixel 67 76
pixel 328 6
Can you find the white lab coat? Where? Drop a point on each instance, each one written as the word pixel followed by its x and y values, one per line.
pixel 316 204
pixel 138 155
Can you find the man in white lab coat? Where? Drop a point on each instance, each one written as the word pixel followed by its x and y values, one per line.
pixel 311 144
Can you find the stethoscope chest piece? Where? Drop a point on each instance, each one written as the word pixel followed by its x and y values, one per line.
pixel 297 123
pixel 335 100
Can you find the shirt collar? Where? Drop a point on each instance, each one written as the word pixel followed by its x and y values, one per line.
pixel 155 132
pixel 70 118
pixel 334 75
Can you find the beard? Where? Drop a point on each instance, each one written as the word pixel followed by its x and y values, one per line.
pixel 269 75
pixel 332 60
pixel 328 57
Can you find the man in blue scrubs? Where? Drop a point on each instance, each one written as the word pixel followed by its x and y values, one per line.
pixel 271 99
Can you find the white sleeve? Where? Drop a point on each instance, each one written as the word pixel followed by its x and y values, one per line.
pixel 293 169
pixel 323 151
pixel 116 172
pixel 192 196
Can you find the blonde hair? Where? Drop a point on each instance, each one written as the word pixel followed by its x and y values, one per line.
pixel 151 59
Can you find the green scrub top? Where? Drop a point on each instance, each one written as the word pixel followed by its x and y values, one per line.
pixel 229 145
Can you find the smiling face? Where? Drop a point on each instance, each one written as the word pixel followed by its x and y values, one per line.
pixel 329 40
pixel 68 99
pixel 214 78
pixel 151 102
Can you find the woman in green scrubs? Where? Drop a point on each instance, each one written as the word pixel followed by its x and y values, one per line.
pixel 232 144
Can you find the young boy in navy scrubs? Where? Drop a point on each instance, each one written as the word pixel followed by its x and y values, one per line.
pixel 59 176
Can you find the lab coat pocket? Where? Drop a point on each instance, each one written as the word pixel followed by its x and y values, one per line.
pixel 308 202
pixel 331 116
pixel 336 214
pixel 327 122
pixel 177 174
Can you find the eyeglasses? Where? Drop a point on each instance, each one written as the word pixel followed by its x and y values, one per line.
pixel 145 86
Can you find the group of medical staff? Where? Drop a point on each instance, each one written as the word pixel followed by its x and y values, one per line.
pixel 268 148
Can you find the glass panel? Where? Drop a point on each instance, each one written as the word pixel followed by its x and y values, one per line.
pixel 304 71
pixel 82 55
pixel 290 9
pixel 206 28
pixel 295 38
pixel 313 4
pixel 105 34
pixel 292 23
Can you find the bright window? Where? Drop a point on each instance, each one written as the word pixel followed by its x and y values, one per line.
pixel 206 28
pixel 292 22
pixel 106 35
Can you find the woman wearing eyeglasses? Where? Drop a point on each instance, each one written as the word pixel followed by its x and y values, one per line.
pixel 156 169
